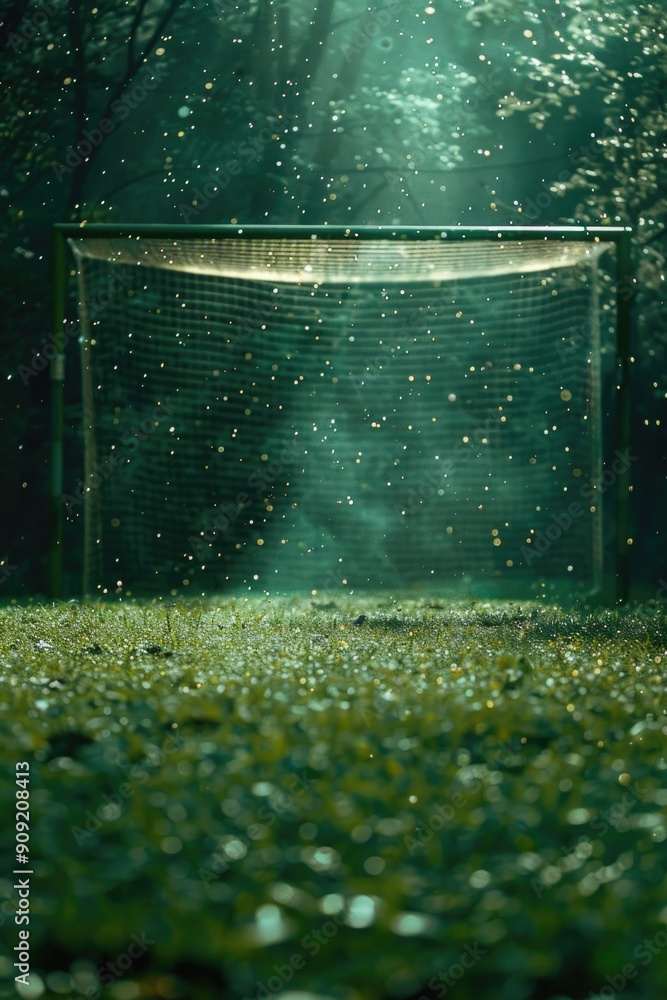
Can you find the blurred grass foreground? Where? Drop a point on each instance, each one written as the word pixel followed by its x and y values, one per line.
pixel 326 798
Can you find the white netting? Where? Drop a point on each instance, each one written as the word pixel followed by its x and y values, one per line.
pixel 343 261
pixel 286 432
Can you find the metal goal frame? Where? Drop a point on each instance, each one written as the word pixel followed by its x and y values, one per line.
pixel 620 236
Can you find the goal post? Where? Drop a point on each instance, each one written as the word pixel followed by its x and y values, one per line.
pixel 291 407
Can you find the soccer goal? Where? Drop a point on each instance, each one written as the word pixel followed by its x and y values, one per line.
pixel 318 408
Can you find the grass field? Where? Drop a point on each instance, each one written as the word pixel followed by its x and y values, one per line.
pixel 358 799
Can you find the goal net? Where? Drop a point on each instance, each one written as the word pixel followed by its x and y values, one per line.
pixel 310 412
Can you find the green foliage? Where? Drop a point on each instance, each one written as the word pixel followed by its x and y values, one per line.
pixel 369 784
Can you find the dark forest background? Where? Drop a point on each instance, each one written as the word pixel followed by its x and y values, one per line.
pixel 479 113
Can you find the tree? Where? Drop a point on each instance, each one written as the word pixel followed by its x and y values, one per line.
pixel 69 86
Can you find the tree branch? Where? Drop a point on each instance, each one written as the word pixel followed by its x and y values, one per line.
pixel 136 64
pixel 141 6
pixel 133 180
pixel 312 50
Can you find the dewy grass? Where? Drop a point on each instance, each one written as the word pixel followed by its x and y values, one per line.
pixel 351 798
